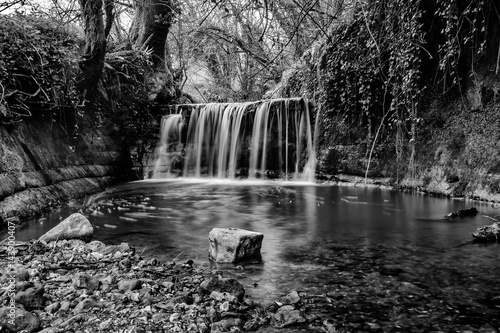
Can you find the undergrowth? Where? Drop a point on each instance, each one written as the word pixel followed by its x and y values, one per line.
pixel 38 68
pixel 384 79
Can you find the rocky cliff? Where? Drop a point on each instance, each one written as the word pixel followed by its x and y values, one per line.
pixel 42 166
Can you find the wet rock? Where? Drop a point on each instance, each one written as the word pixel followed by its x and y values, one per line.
pixel 50 330
pixel 218 296
pixel 212 314
pixel 223 285
pixel 291 298
pixel 181 299
pixel 168 285
pixel 64 306
pixel 227 325
pixel 288 315
pixel 125 285
pixel 22 274
pixel 97 255
pixel 86 304
pixel 105 325
pixel 17 320
pixel 232 244
pixel 464 212
pixel 76 226
pixel 122 248
pixel 81 280
pixel 391 270
pixel 31 298
pixel 277 191
pixel 488 233
pixel 52 308
pixel 96 246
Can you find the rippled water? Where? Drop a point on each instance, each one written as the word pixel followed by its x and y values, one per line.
pixel 172 218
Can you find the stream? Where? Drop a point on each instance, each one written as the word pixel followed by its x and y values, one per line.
pixel 368 257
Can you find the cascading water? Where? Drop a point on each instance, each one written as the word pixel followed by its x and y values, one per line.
pixel 262 139
pixel 169 146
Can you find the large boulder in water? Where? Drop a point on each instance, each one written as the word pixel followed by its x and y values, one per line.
pixel 76 226
pixel 232 244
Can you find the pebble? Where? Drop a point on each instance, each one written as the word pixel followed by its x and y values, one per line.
pixel 80 287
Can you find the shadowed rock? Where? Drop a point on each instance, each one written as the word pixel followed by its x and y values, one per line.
pixel 464 212
pixel 31 298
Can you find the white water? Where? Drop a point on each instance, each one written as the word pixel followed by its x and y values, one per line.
pixel 224 139
pixel 170 137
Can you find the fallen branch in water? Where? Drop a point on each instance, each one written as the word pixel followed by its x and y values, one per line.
pixel 491 218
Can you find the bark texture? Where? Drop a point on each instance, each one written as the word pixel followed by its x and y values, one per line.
pixel 92 58
pixel 151 25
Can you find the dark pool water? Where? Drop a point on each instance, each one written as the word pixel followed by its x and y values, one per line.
pixel 306 233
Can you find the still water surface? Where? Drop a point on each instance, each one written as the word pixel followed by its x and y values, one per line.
pixel 172 218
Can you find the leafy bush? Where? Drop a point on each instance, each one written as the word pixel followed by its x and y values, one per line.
pixel 38 67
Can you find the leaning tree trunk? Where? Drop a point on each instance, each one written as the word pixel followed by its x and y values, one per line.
pixel 92 58
pixel 152 22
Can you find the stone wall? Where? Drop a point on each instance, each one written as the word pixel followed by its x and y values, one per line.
pixel 42 165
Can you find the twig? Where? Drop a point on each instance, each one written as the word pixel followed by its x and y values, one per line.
pixel 177 256
pixel 491 218
pixel 368 26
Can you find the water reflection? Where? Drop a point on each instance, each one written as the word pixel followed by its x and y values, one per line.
pixel 171 217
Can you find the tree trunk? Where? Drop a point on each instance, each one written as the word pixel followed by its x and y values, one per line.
pixel 92 58
pixel 152 22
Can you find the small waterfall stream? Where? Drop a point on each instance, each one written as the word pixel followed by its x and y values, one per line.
pixel 264 139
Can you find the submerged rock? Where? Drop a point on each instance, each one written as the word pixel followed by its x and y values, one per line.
pixel 232 245
pixel 76 226
pixel 223 285
pixel 278 191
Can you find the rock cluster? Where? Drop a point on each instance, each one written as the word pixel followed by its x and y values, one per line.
pixel 73 286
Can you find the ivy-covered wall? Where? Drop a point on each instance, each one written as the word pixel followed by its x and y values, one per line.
pixel 398 82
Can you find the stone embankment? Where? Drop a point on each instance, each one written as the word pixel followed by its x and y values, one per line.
pixel 42 166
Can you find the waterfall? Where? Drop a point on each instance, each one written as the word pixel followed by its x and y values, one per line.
pixel 264 139
pixel 169 145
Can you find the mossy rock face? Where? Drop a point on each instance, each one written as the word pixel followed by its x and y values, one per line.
pixel 9 160
pixel 39 169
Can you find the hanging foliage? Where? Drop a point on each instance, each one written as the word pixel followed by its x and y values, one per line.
pixel 377 69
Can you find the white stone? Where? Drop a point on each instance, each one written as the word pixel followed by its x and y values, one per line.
pixel 232 244
pixel 76 226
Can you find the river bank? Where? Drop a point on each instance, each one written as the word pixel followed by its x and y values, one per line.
pixel 409 187
pixel 72 286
